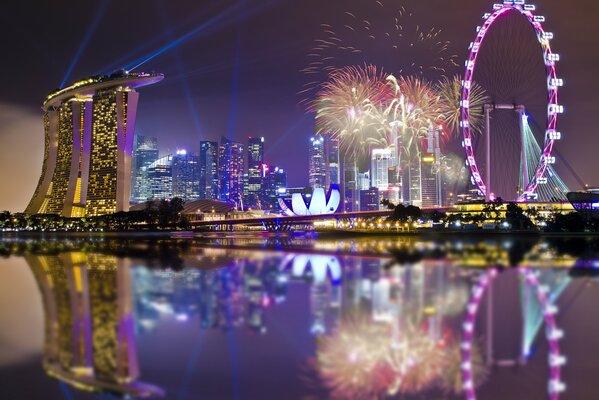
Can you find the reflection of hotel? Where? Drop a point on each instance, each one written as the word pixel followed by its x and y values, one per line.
pixel 89 129
pixel 89 336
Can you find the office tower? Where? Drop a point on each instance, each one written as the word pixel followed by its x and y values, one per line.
pixel 380 162
pixel 145 152
pixel 230 171
pixel 350 195
pixel 369 199
pixel 186 175
pixel 255 174
pixel 209 186
pixel 275 183
pixel 333 169
pixel 364 180
pixel 159 178
pixel 89 129
pixel 432 185
pixel 316 162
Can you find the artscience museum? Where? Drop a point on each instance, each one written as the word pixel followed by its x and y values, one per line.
pixel 315 203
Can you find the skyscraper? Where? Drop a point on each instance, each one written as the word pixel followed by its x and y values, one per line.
pixel 432 184
pixel 350 195
pixel 380 162
pixel 89 130
pixel 275 182
pixel 145 152
pixel 186 175
pixel 369 199
pixel 255 175
pixel 316 162
pixel 209 186
pixel 159 178
pixel 333 170
pixel 230 171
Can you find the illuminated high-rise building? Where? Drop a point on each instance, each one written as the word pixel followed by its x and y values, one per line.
pixel 89 128
pixel 275 183
pixel 186 175
pixel 230 171
pixel 369 199
pixel 431 177
pixel 209 187
pixel 350 189
pixel 254 192
pixel 333 170
pixel 159 179
pixel 316 162
pixel 380 162
pixel 145 152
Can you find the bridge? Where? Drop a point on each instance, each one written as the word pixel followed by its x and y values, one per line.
pixel 287 223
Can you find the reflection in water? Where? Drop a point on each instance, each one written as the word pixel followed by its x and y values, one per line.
pixel 89 338
pixel 383 326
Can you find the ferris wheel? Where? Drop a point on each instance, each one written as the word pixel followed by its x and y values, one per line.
pixel 538 175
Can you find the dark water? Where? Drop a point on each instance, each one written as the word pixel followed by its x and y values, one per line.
pixel 279 318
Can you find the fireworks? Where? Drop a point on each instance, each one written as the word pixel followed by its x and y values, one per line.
pixel 450 92
pixel 344 106
pixel 377 32
pixel 362 359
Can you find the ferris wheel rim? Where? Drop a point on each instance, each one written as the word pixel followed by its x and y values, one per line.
pixel 553 107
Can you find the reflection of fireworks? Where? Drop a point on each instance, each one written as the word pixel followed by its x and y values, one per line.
pixel 353 361
pixel 378 32
pixel 344 106
pixel 365 360
pixel 452 302
pixel 451 379
pixel 450 91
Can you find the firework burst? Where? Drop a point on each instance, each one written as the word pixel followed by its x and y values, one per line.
pixel 345 105
pixel 450 92
pixel 361 359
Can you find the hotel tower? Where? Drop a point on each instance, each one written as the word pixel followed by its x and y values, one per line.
pixel 88 133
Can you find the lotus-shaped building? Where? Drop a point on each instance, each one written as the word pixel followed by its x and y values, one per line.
pixel 319 203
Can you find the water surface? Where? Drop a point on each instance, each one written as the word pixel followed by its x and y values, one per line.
pixel 299 318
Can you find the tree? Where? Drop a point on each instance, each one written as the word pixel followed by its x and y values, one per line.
pixel 492 210
pixel 516 217
pixel 571 222
pixel 388 204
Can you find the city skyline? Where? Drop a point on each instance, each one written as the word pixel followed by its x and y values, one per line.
pixel 202 88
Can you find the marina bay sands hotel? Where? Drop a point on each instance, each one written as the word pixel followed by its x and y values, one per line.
pixel 88 133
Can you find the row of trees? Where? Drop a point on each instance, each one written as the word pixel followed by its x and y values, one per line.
pixel 157 215
pixel 498 212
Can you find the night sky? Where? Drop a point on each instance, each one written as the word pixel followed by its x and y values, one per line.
pixel 236 70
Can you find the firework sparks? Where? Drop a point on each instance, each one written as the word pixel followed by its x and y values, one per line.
pixel 450 92
pixel 362 359
pixel 344 107
pixel 396 41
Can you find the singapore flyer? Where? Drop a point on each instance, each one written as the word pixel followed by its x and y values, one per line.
pixel 536 176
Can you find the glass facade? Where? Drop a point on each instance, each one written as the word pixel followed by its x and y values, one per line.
pixel 209 188
pixel 230 171
pixel 145 153
pixel 254 192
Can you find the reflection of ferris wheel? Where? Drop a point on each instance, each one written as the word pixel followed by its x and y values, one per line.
pixel 538 176
pixel 552 332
